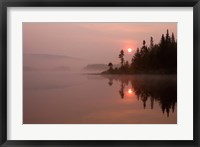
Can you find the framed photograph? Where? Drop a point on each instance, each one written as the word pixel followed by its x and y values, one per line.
pixel 99 73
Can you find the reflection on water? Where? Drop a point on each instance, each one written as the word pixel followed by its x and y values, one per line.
pixel 162 89
pixel 60 98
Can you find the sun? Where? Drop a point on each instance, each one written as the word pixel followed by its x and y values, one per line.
pixel 129 50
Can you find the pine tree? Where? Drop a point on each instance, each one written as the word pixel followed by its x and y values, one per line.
pixel 168 40
pixel 121 56
pixel 173 38
pixel 157 58
pixel 162 41
pixel 151 43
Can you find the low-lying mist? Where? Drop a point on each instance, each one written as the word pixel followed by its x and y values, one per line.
pixel 60 63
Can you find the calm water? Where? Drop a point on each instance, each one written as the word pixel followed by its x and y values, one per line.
pixel 63 98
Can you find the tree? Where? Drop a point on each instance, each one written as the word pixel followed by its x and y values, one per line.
pixel 158 58
pixel 144 42
pixel 151 43
pixel 145 56
pixel 162 41
pixel 173 39
pixel 144 48
pixel 168 39
pixel 121 56
pixel 110 66
pixel 135 64
pixel 137 54
pixel 126 67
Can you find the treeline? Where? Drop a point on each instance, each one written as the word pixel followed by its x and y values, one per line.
pixel 158 58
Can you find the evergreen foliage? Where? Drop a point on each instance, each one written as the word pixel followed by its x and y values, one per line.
pixel 158 58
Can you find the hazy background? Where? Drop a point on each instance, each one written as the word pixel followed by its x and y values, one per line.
pixel 72 46
pixel 54 94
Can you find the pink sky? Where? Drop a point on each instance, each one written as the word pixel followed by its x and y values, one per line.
pixel 95 42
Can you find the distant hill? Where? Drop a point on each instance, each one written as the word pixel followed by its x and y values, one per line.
pixel 52 62
pixel 59 68
pixel 51 56
pixel 96 67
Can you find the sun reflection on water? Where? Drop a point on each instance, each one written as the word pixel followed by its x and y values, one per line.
pixel 130 91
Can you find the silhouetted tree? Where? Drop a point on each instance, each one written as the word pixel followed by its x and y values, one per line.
pixel 173 39
pixel 151 43
pixel 121 56
pixel 126 67
pixel 110 66
pixel 158 58
pixel 162 41
pixel 135 65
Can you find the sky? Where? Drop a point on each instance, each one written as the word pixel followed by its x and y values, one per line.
pixel 91 42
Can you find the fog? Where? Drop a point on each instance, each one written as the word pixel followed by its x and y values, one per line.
pixel 72 46
pixel 57 88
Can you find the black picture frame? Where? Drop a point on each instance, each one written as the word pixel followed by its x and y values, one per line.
pixel 4 4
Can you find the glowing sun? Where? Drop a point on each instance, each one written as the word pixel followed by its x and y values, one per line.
pixel 130 91
pixel 129 50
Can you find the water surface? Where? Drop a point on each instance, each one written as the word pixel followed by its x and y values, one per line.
pixel 64 98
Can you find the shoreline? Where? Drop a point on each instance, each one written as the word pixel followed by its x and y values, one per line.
pixel 129 74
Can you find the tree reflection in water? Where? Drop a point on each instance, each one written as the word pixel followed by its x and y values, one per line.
pixel 155 88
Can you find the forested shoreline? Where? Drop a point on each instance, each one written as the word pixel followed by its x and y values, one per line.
pixel 158 58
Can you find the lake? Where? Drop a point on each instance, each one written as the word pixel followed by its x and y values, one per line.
pixel 67 98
